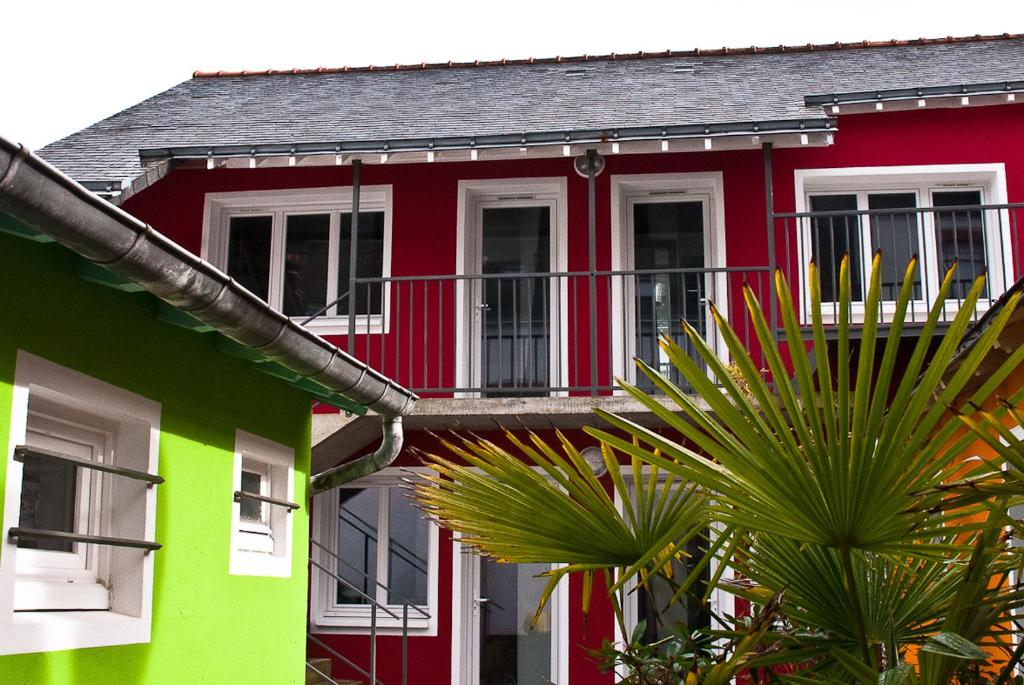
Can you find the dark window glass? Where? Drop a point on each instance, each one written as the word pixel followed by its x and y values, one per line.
pixel 515 315
pixel 249 509
pixel 48 501
pixel 832 237
pixel 667 236
pixel 357 544
pixel 895 235
pixel 408 544
pixel 685 615
pixel 369 262
pixel 960 238
pixel 306 253
pixel 249 253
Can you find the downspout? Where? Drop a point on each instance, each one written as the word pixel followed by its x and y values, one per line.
pixel 383 456
pixel 42 197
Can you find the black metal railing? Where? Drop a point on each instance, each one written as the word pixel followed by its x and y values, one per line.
pixel 289 507
pixel 979 239
pixel 535 334
pixel 25 454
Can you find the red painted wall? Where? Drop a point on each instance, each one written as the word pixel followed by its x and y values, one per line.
pixel 424 243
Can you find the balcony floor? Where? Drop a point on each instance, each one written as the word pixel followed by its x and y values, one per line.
pixel 336 437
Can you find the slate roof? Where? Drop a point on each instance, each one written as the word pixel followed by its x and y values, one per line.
pixel 553 95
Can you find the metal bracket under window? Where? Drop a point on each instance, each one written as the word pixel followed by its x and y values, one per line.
pixel 241 494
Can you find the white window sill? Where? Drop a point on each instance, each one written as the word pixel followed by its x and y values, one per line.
pixel 49 631
pixel 358 623
pixel 375 324
pixel 245 563
pixel 37 595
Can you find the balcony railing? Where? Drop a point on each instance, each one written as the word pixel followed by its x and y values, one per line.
pixel 980 239
pixel 576 332
pixel 538 334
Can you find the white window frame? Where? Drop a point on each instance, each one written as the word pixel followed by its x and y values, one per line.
pixel 52 580
pixel 354 619
pixel 221 207
pixel 924 181
pixel 722 603
pixel 250 555
pixel 137 438
pixel 473 197
pixel 628 190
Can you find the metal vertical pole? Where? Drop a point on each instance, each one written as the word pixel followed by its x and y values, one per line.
pixel 357 166
pixel 769 202
pixel 592 244
pixel 405 644
pixel 373 645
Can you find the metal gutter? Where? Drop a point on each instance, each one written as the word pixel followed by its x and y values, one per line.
pixel 864 96
pixel 46 200
pixel 495 141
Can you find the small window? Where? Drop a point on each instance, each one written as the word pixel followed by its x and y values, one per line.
pixel 379 548
pixel 293 249
pixel 263 495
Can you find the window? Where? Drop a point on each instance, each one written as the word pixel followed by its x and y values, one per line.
pixel 263 490
pixel 900 212
pixel 82 460
pixel 380 547
pixel 293 249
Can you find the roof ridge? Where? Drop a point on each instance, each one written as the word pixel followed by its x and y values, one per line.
pixel 696 52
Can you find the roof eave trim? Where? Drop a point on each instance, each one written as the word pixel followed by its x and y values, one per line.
pixel 862 96
pixel 512 140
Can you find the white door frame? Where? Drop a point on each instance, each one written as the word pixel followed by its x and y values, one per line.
pixel 626 191
pixel 465 650
pixel 518 192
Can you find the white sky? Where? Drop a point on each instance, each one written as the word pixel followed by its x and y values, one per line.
pixel 67 65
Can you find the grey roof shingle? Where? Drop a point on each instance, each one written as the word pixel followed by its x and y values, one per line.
pixel 317 107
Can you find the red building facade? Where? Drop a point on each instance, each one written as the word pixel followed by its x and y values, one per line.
pixel 511 285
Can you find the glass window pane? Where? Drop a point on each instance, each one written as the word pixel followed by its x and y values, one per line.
pixel 960 238
pixel 306 253
pixel 895 234
pixel 369 262
pixel 357 544
pixel 667 236
pixel 687 614
pixel 48 501
pixel 511 649
pixel 408 546
pixel 249 253
pixel 514 323
pixel 832 237
pixel 251 510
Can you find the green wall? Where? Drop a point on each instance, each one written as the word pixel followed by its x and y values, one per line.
pixel 208 626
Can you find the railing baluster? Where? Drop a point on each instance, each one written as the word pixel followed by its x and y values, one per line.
pixel 405 644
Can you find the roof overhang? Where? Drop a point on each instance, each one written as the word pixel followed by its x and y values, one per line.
pixel 934 97
pixel 639 140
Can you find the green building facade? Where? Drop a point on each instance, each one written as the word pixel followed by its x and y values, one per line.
pixel 211 618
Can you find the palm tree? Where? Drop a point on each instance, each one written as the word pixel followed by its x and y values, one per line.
pixel 838 493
